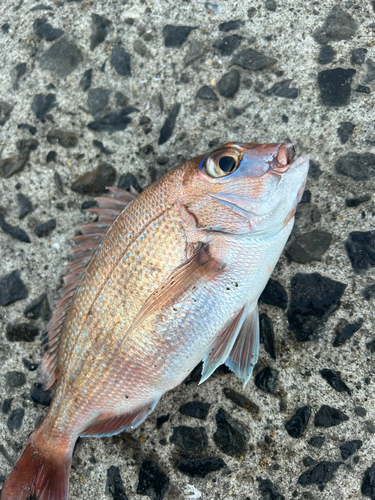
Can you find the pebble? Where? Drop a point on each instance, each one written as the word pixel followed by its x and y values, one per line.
pixel 339 25
pixel 271 5
pixel 99 30
pixel 363 89
pixel 6 406
pixel 233 25
pixel 253 60
pixel 348 448
pixel 309 247
pixel 327 416
pixel 41 6
pixel 231 435
pixel 58 181
pixel 320 474
pixel 127 181
pixel 114 485
pixel 27 126
pixel 96 180
pixel 355 202
pixel 267 335
pixel 229 83
pixel 42 104
pixel 5 111
pixel 15 419
pixel 370 74
pixel 21 332
pixel 317 441
pixel 360 249
pixel 344 131
pixel 358 56
pixel 266 380
pixel 85 82
pixel 12 288
pixel 38 395
pixel 25 205
pixel 169 124
pixel 274 294
pixel 344 331
pixel 153 482
pixel 175 36
pixel 368 482
pixel 17 73
pixel 315 170
pixel 360 411
pixel 15 379
pixel 326 54
pixel 141 49
pixel 200 467
pixel 189 438
pixel 97 100
pixel 335 86
pixel 334 380
pixel 12 165
pixel 206 92
pixel 233 112
pixel 282 89
pixel 66 139
pixel 62 58
pixel 14 232
pixel 121 100
pixel 369 292
pixel 29 365
pixel 313 299
pixel 114 121
pixel 103 149
pixel 161 420
pixel 308 461
pixel 51 157
pixel 195 409
pixel 38 308
pixel 227 45
pixel 268 490
pixel 45 30
pixel 360 167
pixel 296 426
pixel 45 229
pixel 120 60
pixel 241 400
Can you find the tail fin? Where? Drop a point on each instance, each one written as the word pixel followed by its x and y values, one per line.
pixel 38 474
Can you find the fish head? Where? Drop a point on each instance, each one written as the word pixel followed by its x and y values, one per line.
pixel 243 187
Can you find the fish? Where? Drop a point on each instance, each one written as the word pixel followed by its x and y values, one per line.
pixel 159 282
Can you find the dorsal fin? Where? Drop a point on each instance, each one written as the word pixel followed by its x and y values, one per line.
pixel 88 241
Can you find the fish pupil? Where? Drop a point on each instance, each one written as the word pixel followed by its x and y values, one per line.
pixel 227 164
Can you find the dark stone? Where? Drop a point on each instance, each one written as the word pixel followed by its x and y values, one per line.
pixel 58 181
pixel 281 89
pixel 29 365
pixel 41 6
pixel 363 89
pixel 339 25
pixel 88 204
pixel 227 45
pixel 327 416
pixel 5 27
pixel 25 205
pixel 335 86
pixel 253 60
pixel 370 74
pixel 231 25
pixel 85 82
pixel 14 231
pixel 121 100
pixel 103 149
pixel 274 294
pixel 200 468
pixel 127 181
pixel 174 36
pixel 368 482
pixel 345 331
pixel 189 438
pixel 120 60
pixel 358 56
pixel 334 380
pixel 206 93
pixel 360 411
pixel 231 436
pixel 39 308
pixel 45 229
pixel 320 474
pixel 7 403
pixel 97 99
pixel 51 157
pixel 369 292
pixel 370 427
pixel 233 112
pixel 96 180
pixel 195 409
pixel 141 49
pixel 315 170
pixel 5 111
pixel 241 400
pixel 348 448
pixel 66 139
pixel 313 299
pixel 42 104
pixel 21 332
pixel 24 146
pixel 266 380
pixel 38 395
pixel 271 5
pixel 45 30
pixel 169 124
pixel 114 485
pixel 15 379
pixel 360 167
pixel 296 426
pixel 344 131
pixel 153 482
pixel 267 335
pixel 195 52
pixel 16 73
pixel 326 54
pixel 12 288
pixel 371 346
pixel 161 420
pixel 310 246
pixel 15 419
pixel 100 27
pixel 26 126
pixel 12 165
pixel 317 441
pixel 268 490
pixel 360 247
pixel 229 83
pixel 306 196
pixel 62 58
pixel 355 202
pixel 162 160
pixel 113 122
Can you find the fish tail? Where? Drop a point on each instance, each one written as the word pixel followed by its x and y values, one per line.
pixel 40 473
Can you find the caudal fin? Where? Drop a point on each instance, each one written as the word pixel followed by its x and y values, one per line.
pixel 38 474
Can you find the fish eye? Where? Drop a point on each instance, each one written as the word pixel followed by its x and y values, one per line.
pixel 227 164
pixel 222 163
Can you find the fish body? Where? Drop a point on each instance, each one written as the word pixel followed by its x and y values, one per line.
pixel 157 285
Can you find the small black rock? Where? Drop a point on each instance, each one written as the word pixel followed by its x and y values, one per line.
pixel 153 482
pixel 85 82
pixel 44 229
pixel 267 335
pixel 339 25
pixel 100 27
pixel 62 58
pixel 200 468
pixel 127 181
pixel 269 490
pixel 296 426
pixel 317 441
pixel 326 54
pixel 169 124
pixel 274 294
pixel 360 167
pixel 360 247
pixel 14 231
pixel 345 331
pixel 174 36
pixel 231 25
pixel 195 409
pixel 88 204
pixel 120 60
pixel 5 407
pixel 355 202
pixel 25 205
pixel 368 482
pixel 21 332
pixel 348 448
pixel 241 400
pixel 15 419
pixel 282 89
pixel 358 56
pixel 344 131
pixel 66 139
pixel 320 474
pixel 315 170
pixel 271 5
pixel 335 86
pixel 327 416
pixel 45 30
pixel 189 438
pixel 229 83
pixel 231 436
pixel 370 74
pixel 161 420
pixel 114 485
pixel 206 92
pixel 103 149
pixel 96 180
pixel 363 89
pixel 308 461
pixel 266 380
pixel 51 157
pixel 334 380
pixel 227 45
pixel 27 126
pixel 97 99
pixel 16 73
pixel 15 379
pixel 360 411
pixel 39 308
pixel 58 181
pixel 113 122
pixel 29 365
pixel 309 247
pixel 12 288
pixel 253 60
pixel 38 395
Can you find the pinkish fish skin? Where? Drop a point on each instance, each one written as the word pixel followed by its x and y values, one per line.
pixel 159 283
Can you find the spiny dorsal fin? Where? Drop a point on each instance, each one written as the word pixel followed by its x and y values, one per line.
pixel 88 241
